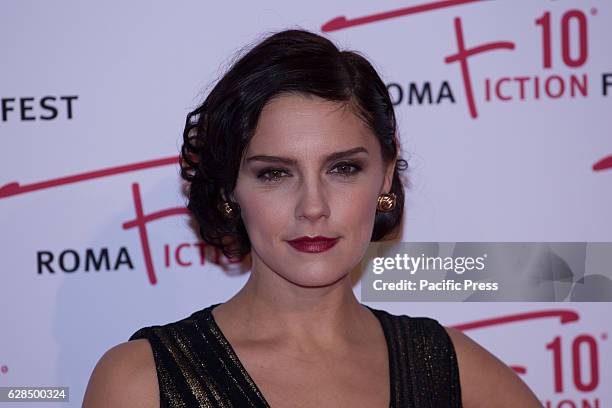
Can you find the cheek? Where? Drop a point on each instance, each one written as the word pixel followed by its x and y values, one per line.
pixel 357 212
pixel 262 216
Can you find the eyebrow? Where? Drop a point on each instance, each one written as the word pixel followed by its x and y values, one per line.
pixel 292 161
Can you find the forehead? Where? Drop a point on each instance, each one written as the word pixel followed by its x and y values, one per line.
pixel 301 125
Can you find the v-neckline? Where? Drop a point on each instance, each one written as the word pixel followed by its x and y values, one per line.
pixel 247 377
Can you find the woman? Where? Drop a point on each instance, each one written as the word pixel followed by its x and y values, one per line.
pixel 293 158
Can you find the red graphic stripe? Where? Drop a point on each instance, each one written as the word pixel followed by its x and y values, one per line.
pixel 341 22
pixel 603 164
pixel 144 219
pixel 565 316
pixel 519 369
pixel 144 238
pixel 475 50
pixel 15 188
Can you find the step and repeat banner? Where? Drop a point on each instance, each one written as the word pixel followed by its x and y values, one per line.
pixel 505 118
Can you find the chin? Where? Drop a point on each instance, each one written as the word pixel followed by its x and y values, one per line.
pixel 314 278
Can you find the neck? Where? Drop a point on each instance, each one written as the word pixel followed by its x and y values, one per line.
pixel 270 308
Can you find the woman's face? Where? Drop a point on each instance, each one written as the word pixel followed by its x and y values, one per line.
pixel 290 186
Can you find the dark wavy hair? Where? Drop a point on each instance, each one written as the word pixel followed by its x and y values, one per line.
pixel 217 133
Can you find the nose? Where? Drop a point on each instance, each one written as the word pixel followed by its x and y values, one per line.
pixel 312 201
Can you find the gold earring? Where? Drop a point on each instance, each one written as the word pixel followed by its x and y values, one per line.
pixel 386 202
pixel 227 210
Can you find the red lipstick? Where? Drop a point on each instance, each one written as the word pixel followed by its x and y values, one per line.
pixel 314 244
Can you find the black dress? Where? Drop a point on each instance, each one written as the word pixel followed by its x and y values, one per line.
pixel 197 366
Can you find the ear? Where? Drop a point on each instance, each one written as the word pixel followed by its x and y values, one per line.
pixel 227 197
pixel 388 178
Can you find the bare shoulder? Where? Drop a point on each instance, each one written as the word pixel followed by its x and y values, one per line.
pixel 125 376
pixel 485 380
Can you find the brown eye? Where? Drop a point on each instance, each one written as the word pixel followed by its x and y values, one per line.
pixel 347 168
pixel 271 175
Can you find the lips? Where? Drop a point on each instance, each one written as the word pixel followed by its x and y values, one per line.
pixel 313 244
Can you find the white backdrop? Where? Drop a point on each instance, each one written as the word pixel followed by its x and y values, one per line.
pixel 93 101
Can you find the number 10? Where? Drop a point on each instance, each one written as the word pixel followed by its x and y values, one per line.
pixel 568 16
